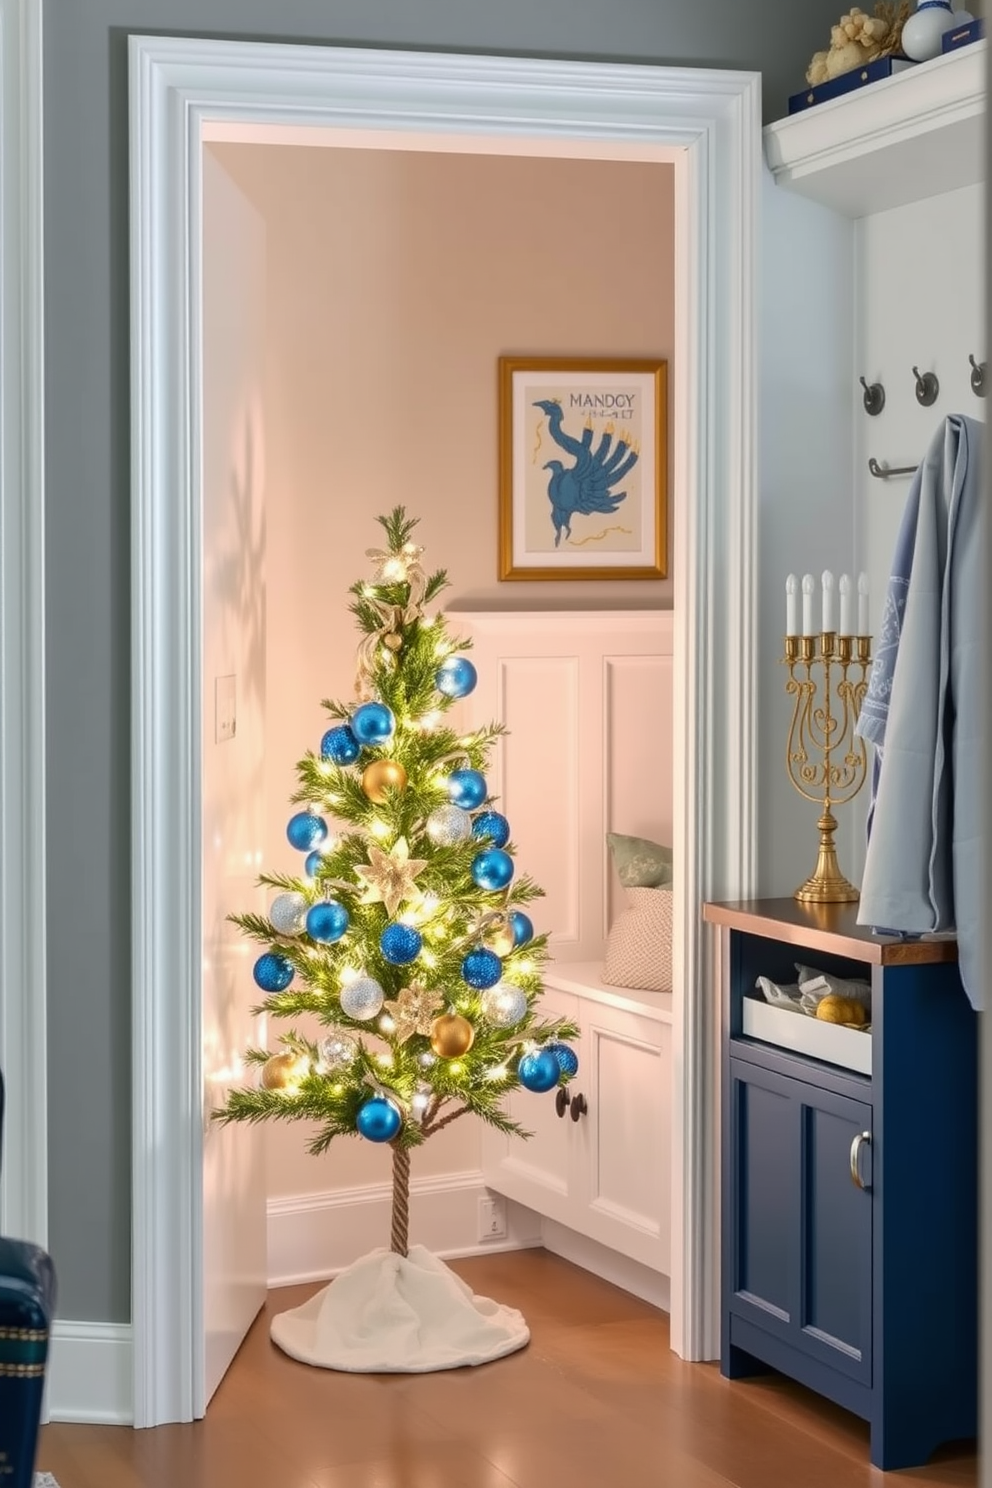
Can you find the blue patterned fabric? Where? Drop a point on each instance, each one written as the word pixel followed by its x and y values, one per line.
pixel 27 1304
pixel 27 1297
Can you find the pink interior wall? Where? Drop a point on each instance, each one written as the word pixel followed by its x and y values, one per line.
pixel 396 280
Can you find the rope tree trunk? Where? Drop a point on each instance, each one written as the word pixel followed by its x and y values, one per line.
pixel 400 1227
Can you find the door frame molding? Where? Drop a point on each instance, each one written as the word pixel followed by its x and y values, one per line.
pixel 185 92
pixel 23 992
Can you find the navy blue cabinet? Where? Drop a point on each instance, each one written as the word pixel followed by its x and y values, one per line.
pixel 849 1246
pixel 799 1256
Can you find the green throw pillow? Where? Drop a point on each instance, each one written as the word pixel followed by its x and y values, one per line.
pixel 641 863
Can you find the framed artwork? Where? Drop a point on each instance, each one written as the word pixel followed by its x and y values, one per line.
pixel 583 460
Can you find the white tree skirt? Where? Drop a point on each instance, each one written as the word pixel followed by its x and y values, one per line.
pixel 390 1314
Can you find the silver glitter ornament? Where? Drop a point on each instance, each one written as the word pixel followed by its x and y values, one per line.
pixel 362 999
pixel 504 1005
pixel 288 913
pixel 337 1049
pixel 448 825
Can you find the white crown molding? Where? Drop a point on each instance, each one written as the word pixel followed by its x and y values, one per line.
pixel 312 1237
pixel 708 122
pixel 23 1031
pixel 903 138
pixel 90 1374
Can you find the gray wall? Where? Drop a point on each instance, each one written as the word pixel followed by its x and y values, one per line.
pixel 87 415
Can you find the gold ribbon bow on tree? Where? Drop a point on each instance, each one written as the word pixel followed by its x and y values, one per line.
pixel 401 566
pixel 387 633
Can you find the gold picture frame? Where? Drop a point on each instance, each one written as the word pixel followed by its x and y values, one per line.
pixel 602 511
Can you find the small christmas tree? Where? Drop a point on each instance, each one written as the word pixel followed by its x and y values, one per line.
pixel 406 934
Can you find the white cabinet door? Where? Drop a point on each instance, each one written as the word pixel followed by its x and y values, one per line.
pixel 539 1172
pixel 623 1141
pixel 606 1175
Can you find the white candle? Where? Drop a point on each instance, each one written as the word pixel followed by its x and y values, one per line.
pixel 845 605
pixel 808 604
pixel 862 604
pixel 791 587
pixel 828 600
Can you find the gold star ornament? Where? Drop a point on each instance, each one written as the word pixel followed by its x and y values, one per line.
pixel 388 876
pixel 414 1011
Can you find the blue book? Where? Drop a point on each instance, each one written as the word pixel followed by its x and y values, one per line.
pixel 848 82
pixel 959 36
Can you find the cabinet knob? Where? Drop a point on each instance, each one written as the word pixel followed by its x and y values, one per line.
pixel 860 1140
pixel 562 1099
pixel 579 1107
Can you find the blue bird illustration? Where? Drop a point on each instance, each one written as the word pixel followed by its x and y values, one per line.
pixel 585 486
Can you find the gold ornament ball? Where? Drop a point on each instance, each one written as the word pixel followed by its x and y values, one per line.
pixel 392 641
pixel 281 1071
pixel 500 940
pixel 382 776
pixel 451 1035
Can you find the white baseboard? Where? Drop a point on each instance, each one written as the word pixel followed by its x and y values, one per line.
pixel 641 1281
pixel 315 1236
pixel 91 1374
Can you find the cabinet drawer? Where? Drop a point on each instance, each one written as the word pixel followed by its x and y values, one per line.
pixel 848 1047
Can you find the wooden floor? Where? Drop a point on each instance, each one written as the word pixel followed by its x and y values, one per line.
pixel 597 1400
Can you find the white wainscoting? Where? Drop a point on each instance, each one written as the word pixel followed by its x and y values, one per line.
pixel 91 1374
pixel 586 698
pixel 314 1236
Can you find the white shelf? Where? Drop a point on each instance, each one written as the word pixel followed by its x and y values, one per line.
pixel 585 979
pixel 905 138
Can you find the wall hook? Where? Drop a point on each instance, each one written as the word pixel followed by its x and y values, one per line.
pixel 874 399
pixel 978 370
pixel 883 472
pixel 927 387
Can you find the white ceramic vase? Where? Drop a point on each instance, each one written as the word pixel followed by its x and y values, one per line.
pixel 921 35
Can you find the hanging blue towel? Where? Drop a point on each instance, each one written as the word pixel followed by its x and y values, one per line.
pixel 922 709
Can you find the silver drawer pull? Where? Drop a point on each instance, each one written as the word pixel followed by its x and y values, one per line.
pixel 856 1146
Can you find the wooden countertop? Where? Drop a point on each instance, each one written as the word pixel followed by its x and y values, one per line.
pixel 828 927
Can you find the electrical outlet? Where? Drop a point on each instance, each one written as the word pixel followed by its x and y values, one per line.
pixel 492 1218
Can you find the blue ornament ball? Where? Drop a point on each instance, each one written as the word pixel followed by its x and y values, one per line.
pixel 340 745
pixel 539 1071
pixel 456 677
pixel 378 1119
pixel 272 972
pixel 373 723
pixel 492 869
pixel 305 830
pixel 568 1060
pixel 522 927
pixel 400 944
pixel 494 825
pixel 482 968
pixel 467 789
pixel 327 921
pixel 311 866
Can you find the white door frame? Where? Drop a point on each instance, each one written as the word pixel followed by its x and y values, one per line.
pixel 23 1026
pixel 183 92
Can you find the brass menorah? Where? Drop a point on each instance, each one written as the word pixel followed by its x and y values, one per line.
pixel 827 762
